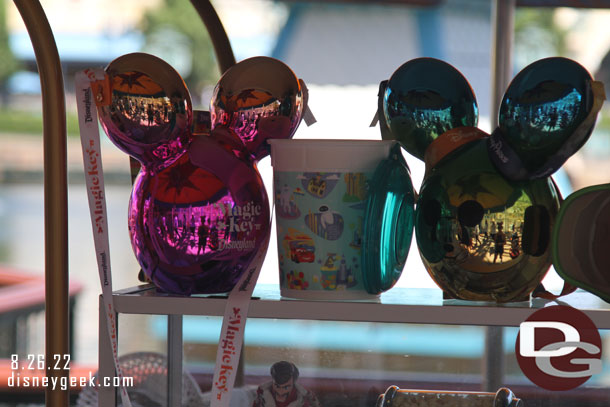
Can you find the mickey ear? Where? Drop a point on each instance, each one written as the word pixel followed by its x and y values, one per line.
pixel 259 98
pixel 147 111
pixel 548 112
pixel 424 98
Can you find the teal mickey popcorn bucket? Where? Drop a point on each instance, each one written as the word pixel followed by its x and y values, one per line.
pixel 344 217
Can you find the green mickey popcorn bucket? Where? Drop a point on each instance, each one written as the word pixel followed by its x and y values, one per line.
pixel 344 217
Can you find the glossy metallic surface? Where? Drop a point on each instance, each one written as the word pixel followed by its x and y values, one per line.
pixel 198 212
pixel 196 225
pixel 543 106
pixel 422 99
pixel 463 205
pixel 149 111
pixel 258 98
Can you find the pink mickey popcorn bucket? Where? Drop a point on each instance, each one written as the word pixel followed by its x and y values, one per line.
pixel 344 217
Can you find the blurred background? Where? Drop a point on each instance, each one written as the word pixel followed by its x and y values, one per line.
pixel 342 50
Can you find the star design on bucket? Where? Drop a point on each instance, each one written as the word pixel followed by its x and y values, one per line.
pixel 131 79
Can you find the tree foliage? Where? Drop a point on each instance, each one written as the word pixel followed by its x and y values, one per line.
pixel 537 35
pixel 8 63
pixel 175 28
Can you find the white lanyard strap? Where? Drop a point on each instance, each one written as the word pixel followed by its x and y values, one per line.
pixel 94 176
pixel 232 331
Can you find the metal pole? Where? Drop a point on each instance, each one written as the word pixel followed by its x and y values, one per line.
pixel 174 360
pixel 503 12
pixel 503 23
pixel 220 40
pixel 106 396
pixel 55 193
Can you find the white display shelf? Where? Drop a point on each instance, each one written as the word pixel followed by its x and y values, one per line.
pixel 398 305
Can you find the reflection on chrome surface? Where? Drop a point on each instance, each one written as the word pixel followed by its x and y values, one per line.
pixel 194 230
pixel 424 98
pixel 259 98
pixel 543 109
pixel 150 111
pixel 481 236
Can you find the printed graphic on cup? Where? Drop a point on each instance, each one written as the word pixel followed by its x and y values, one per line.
pixel 320 229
